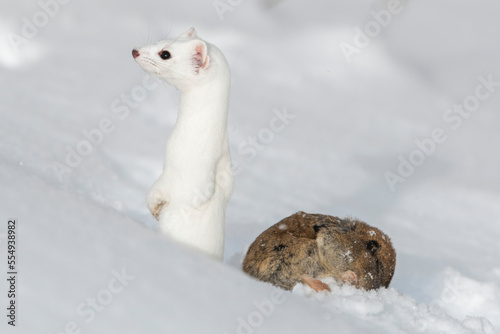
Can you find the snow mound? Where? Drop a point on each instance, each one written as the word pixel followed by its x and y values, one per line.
pixel 396 313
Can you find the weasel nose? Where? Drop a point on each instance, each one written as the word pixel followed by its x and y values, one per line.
pixel 135 53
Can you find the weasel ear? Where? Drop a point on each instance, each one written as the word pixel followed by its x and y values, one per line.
pixel 201 58
pixel 190 33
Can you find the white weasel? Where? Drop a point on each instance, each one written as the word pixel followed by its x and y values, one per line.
pixel 190 197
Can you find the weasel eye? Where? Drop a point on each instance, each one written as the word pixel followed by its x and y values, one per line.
pixel 165 55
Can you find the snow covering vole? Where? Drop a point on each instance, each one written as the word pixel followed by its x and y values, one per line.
pixel 307 247
pixel 189 198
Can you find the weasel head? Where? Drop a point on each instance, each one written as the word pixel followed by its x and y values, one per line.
pixel 183 62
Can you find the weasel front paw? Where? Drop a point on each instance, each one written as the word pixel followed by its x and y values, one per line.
pixel 156 201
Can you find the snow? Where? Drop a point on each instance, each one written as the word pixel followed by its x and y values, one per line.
pixel 310 131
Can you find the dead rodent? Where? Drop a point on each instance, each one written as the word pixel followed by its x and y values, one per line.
pixel 306 247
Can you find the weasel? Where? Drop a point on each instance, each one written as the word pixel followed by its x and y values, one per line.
pixel 306 247
pixel 190 197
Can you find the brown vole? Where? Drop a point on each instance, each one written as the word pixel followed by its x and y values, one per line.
pixel 306 247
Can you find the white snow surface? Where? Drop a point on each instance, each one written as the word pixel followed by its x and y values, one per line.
pixel 89 257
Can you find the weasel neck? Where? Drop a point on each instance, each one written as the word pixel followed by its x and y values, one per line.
pixel 203 110
pixel 201 128
pixel 210 99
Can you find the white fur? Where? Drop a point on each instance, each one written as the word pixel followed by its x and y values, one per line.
pixel 197 178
